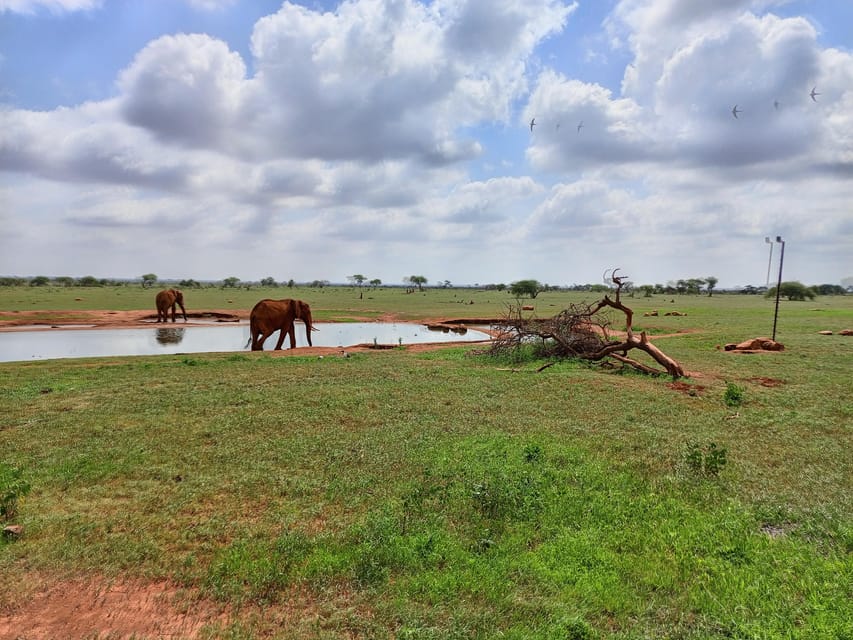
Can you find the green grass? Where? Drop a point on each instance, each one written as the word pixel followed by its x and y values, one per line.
pixel 441 495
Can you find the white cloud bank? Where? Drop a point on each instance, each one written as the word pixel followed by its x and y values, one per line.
pixel 349 147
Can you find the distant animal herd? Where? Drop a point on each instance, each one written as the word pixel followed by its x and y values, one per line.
pixel 267 317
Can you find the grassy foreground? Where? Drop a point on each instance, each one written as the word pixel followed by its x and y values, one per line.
pixel 442 495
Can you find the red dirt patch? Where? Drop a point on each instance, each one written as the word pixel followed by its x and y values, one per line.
pixel 9 320
pixel 767 382
pixel 119 610
pixel 689 389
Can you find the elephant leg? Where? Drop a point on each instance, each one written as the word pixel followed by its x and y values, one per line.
pixel 282 333
pixel 292 333
pixel 258 341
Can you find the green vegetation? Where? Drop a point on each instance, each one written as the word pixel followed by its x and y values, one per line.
pixel 13 487
pixel 792 291
pixel 440 494
pixel 733 395
pixel 522 288
pixel 707 461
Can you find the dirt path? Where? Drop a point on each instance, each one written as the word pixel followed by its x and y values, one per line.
pixel 119 609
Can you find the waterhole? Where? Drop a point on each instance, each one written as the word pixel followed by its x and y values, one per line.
pixel 62 342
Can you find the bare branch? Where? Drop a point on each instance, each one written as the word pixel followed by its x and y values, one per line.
pixel 582 331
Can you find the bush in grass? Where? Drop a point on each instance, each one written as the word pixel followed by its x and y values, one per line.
pixel 733 395
pixel 511 487
pixel 573 629
pixel 12 489
pixel 705 461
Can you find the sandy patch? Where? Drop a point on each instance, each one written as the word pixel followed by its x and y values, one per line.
pixel 118 609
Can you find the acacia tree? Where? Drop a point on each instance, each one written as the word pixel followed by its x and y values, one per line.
pixel 582 331
pixel 148 280
pixel 417 281
pixel 710 283
pixel 526 288
pixel 793 291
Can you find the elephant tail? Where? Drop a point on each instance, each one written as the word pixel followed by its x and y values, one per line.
pixel 251 331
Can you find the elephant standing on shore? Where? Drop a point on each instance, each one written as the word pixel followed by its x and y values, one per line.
pixel 269 316
pixel 169 298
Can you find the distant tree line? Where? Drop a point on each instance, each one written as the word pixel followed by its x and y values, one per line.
pixel 519 289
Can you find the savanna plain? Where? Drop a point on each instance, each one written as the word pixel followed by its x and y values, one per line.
pixel 431 493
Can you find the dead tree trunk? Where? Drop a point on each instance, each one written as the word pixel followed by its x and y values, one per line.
pixel 583 331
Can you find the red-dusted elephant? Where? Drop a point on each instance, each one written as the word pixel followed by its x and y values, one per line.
pixel 269 316
pixel 169 298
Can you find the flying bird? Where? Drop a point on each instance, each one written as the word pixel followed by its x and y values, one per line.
pixel 532 123
pixel 580 126
pixel 814 93
pixel 736 111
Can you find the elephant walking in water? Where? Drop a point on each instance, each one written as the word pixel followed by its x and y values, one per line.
pixel 269 316
pixel 169 298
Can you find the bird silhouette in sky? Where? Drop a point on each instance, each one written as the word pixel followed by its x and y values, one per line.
pixel 814 93
pixel 736 111
pixel 580 126
pixel 776 105
pixel 532 123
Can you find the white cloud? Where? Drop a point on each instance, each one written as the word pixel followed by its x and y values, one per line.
pixel 185 89
pixel 356 132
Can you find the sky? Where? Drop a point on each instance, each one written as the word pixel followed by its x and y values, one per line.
pixel 317 140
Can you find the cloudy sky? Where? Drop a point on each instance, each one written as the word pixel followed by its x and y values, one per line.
pixel 319 139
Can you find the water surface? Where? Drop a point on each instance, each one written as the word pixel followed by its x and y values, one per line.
pixel 79 343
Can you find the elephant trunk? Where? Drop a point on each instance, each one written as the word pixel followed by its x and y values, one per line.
pixel 309 327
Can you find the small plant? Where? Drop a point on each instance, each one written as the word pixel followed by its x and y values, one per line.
pixel 576 629
pixel 12 489
pixel 533 453
pixel 694 458
pixel 706 461
pixel 733 396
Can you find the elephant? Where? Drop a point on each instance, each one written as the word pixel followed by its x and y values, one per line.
pixel 269 316
pixel 169 298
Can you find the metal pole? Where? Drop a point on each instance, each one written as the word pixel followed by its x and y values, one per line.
pixel 769 260
pixel 778 285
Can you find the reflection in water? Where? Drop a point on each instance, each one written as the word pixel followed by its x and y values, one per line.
pixel 443 328
pixel 170 335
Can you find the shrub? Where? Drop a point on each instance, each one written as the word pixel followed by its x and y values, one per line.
pixel 12 489
pixel 733 395
pixel 708 461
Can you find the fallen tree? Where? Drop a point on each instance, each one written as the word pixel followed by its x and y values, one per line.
pixel 583 331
